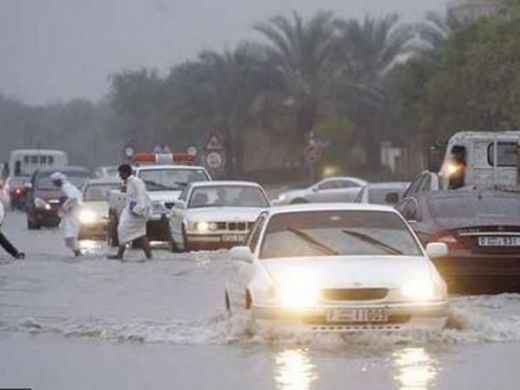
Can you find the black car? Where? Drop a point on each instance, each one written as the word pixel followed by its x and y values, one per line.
pixel 482 231
pixel 43 199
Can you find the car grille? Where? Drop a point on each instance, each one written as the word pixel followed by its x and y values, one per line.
pixel 235 226
pixel 355 294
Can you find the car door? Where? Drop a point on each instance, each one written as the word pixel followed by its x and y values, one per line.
pixel 178 214
pixel 243 272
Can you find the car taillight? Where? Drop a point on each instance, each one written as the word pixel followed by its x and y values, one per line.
pixel 448 239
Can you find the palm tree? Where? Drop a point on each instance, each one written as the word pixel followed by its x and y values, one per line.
pixel 434 33
pixel 223 89
pixel 300 54
pixel 369 49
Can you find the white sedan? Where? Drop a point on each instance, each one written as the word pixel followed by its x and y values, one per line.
pixel 331 190
pixel 337 268
pixel 216 214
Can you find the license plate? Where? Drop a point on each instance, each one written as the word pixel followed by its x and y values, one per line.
pixel 357 315
pixel 233 238
pixel 499 241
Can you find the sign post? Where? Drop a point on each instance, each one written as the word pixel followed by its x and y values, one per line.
pixel 214 156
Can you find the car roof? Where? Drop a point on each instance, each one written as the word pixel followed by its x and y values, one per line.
pixel 64 170
pixel 216 183
pixel 468 193
pixel 329 207
pixel 168 166
pixel 105 180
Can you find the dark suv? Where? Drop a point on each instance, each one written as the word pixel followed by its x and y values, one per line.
pixel 44 199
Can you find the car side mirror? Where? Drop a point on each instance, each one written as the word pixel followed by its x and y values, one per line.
pixel 241 253
pixel 180 205
pixel 315 189
pixel 392 198
pixel 436 250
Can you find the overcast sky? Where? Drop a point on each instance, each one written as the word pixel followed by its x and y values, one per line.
pixel 60 49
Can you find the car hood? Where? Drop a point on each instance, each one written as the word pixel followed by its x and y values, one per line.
pixel 164 196
pixel 234 214
pixel 352 271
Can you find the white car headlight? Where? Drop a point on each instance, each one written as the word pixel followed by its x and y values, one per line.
pixel 87 217
pixel 39 203
pixel 205 226
pixel 297 290
pixel 422 289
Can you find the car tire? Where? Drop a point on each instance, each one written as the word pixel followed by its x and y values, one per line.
pixel 299 201
pixel 32 225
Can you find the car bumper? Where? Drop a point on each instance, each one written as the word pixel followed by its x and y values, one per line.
pixel 96 230
pixel 46 217
pixel 215 241
pixel 158 228
pixel 401 317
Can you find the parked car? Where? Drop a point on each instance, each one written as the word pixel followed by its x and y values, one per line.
pixel 382 193
pixel 331 190
pixel 481 228
pixel 337 268
pixel 44 199
pixel 16 189
pixel 93 216
pixel 215 215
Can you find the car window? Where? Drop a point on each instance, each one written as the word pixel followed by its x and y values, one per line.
pixel 425 184
pixel 408 209
pixel 414 186
pixel 171 179
pixel 227 196
pixel 99 192
pixel 184 194
pixel 327 185
pixel 77 179
pixel 330 233
pixel 507 154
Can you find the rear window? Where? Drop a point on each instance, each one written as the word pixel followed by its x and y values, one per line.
pixel 465 207
pixel 333 233
pixel 99 192
pixel 507 155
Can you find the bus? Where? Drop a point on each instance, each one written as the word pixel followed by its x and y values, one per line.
pixel 24 162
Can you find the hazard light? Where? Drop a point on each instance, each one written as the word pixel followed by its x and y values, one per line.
pixel 167 158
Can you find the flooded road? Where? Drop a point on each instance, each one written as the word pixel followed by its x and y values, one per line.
pixel 94 323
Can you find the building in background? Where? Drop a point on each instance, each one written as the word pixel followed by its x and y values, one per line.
pixel 469 10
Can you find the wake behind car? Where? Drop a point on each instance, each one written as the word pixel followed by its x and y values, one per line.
pixel 482 230
pixel 165 176
pixel 337 268
pixel 216 214
pixel 334 189
pixel 93 216
pixel 43 199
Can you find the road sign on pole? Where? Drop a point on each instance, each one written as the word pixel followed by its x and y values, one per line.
pixel 313 154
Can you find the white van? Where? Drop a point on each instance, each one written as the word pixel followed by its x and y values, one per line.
pixel 24 162
pixel 482 159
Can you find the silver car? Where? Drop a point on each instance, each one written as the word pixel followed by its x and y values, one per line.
pixel 331 190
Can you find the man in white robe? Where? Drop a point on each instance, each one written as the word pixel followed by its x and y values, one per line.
pixel 135 215
pixel 69 211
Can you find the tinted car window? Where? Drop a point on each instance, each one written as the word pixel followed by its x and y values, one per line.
pixel 466 207
pixel 227 196
pixel 170 179
pixel 99 192
pixel 507 155
pixel 77 179
pixel 331 233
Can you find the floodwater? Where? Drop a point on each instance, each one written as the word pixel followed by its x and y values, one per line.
pixel 94 323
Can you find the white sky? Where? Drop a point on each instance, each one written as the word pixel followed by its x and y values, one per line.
pixel 59 49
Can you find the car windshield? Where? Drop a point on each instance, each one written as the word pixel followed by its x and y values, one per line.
pixel 18 181
pixel 171 179
pixel 228 196
pixel 473 207
pixel 99 192
pixel 333 233
pixel 77 179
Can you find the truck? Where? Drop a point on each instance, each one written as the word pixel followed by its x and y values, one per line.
pixel 165 177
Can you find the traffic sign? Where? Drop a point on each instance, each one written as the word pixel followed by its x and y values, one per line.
pixel 214 142
pixel 215 160
pixel 313 154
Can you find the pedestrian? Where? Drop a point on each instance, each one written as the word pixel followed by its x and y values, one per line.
pixel 133 219
pixel 69 211
pixel 4 242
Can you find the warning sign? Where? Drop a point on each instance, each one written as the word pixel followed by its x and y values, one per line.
pixel 214 142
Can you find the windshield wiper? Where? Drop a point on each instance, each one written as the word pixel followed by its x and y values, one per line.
pixel 311 240
pixel 371 240
pixel 159 185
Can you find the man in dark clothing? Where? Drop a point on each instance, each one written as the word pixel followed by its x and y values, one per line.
pixel 4 242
